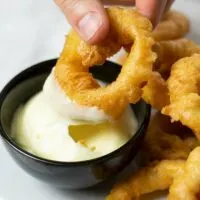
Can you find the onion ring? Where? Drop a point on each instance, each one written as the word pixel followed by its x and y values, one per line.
pixel 71 71
pixel 163 141
pixel 169 155
pixel 174 25
pixel 176 22
pixel 157 176
pixel 168 52
pixel 183 85
pixel 155 92
pixel 181 177
pixel 187 186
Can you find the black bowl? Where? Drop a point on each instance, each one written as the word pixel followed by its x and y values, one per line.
pixel 66 174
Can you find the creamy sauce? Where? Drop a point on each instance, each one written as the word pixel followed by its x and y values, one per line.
pixel 40 129
pixel 68 108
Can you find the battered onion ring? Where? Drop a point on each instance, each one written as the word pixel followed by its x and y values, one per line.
pixel 157 176
pixel 71 72
pixel 168 52
pixel 174 25
pixel 167 151
pixel 166 140
pixel 184 91
pixel 187 186
pixel 155 92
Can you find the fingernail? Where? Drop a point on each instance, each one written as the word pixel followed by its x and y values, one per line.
pixel 89 25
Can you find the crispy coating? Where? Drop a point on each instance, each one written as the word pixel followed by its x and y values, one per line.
pixel 187 185
pixel 167 147
pixel 155 92
pixel 168 52
pixel 166 140
pixel 174 25
pixel 71 72
pixel 157 176
pixel 183 85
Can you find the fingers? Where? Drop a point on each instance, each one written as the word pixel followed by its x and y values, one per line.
pixel 119 2
pixel 168 5
pixel 87 17
pixel 153 9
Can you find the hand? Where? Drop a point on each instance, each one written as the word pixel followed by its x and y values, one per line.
pixel 89 19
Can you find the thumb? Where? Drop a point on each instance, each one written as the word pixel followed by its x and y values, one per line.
pixel 88 18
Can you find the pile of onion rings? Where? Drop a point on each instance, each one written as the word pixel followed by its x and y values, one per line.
pixel 162 68
pixel 184 98
pixel 165 158
pixel 187 185
pixel 167 141
pixel 181 177
pixel 170 153
pixel 153 177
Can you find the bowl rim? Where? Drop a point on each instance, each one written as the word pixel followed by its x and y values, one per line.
pixel 24 74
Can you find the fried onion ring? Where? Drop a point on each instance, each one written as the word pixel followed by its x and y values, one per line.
pixel 183 85
pixel 71 71
pixel 187 186
pixel 168 159
pixel 176 22
pixel 157 176
pixel 174 25
pixel 168 52
pixel 155 92
pixel 166 140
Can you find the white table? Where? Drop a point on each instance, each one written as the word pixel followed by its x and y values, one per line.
pixel 32 31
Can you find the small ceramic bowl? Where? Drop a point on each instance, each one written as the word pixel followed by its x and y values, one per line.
pixel 66 174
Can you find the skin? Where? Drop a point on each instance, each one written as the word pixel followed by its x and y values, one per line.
pixel 89 19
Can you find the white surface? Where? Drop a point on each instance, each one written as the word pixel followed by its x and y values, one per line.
pixel 32 31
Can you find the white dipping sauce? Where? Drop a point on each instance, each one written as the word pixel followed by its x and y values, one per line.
pixel 41 130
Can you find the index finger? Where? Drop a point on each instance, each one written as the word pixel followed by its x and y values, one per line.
pixel 153 9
